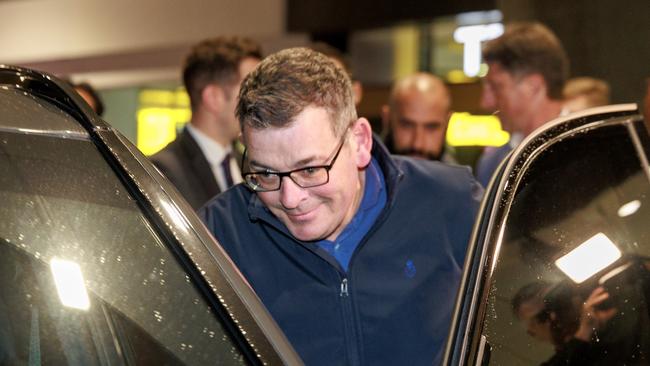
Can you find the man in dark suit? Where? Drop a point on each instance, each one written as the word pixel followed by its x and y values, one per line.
pixel 202 161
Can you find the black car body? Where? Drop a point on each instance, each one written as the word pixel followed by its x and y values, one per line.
pixel 565 220
pixel 101 261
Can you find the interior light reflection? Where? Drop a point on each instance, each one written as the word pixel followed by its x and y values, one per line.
pixel 588 258
pixel 629 208
pixel 70 284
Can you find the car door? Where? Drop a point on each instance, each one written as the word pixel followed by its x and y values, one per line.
pixel 101 261
pixel 558 268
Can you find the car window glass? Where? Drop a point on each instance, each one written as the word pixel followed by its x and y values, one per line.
pixel 84 278
pixel 572 278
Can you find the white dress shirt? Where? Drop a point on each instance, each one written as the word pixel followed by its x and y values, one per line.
pixel 214 154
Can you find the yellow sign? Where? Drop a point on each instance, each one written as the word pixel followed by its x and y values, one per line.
pixel 161 114
pixel 475 130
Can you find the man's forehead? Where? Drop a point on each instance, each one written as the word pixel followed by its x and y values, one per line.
pixel 310 128
pixel 431 102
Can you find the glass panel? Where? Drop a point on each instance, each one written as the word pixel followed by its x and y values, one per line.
pixel 84 279
pixel 573 266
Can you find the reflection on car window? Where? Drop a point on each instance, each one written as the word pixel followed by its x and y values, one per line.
pixel 572 281
pixel 84 279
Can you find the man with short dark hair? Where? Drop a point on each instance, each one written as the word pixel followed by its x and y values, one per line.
pixel 202 161
pixel 527 71
pixel 339 58
pixel 417 116
pixel 357 254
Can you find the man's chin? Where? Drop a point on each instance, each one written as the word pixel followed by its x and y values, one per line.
pixel 304 235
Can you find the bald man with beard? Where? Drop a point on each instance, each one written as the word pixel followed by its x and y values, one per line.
pixel 417 116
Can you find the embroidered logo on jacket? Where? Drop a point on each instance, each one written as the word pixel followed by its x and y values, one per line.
pixel 409 269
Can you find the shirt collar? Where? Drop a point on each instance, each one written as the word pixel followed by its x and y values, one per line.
pixel 213 151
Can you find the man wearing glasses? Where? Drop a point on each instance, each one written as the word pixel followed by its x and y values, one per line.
pixel 356 254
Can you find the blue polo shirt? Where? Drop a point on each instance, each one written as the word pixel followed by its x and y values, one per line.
pixel 374 200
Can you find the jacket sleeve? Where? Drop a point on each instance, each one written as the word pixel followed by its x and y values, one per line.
pixel 468 202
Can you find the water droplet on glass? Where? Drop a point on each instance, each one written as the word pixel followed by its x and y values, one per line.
pixel 157 316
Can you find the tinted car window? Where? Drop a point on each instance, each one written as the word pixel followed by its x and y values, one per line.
pixel 84 278
pixel 576 235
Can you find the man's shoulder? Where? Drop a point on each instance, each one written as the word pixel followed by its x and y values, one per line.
pixel 179 152
pixel 445 183
pixel 434 171
pixel 228 204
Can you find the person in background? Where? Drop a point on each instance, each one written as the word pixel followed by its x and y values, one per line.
pixel 528 67
pixel 417 116
pixel 88 93
pixel 585 92
pixel 357 254
pixel 202 161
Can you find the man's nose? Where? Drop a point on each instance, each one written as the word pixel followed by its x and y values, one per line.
pixel 419 139
pixel 291 194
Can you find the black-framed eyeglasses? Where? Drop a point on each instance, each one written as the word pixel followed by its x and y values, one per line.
pixel 307 177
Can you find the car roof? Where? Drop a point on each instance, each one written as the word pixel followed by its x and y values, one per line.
pixel 27 93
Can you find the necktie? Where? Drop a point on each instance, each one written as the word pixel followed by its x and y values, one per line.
pixel 225 166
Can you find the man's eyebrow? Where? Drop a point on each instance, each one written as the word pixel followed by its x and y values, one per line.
pixel 427 123
pixel 258 166
pixel 406 120
pixel 304 163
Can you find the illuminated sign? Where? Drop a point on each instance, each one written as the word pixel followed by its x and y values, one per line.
pixel 475 130
pixel 471 37
pixel 161 114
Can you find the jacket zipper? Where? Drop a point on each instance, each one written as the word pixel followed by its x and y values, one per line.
pixel 344 288
pixel 349 323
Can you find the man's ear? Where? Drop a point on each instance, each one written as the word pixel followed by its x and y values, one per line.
pixel 362 135
pixel 535 84
pixel 213 98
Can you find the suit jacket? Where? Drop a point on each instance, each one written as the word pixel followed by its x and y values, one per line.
pixel 183 163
